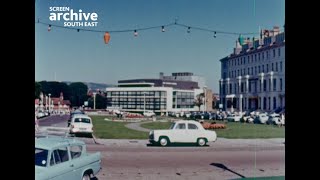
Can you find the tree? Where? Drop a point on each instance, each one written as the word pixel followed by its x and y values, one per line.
pixel 101 102
pixel 55 88
pixel 199 100
pixel 78 93
pixel 38 89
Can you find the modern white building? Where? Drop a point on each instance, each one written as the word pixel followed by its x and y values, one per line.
pixel 158 95
pixel 186 76
pixel 253 76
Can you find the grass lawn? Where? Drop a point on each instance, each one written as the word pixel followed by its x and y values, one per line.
pixel 157 125
pixel 235 130
pixel 115 130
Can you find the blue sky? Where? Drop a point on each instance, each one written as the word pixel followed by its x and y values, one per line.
pixel 83 56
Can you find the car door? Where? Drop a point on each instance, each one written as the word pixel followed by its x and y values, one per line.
pixel 180 133
pixel 77 160
pixel 59 166
pixel 192 132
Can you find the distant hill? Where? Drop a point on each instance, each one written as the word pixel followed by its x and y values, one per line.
pixel 94 86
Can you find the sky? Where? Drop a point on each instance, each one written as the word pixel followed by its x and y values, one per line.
pixel 67 55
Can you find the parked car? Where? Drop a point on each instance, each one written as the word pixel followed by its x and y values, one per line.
pixel 183 131
pixel 77 111
pixel 59 158
pixel 233 118
pixel 149 113
pixel 40 114
pixel 187 115
pixel 81 123
pixel 261 118
pixel 275 119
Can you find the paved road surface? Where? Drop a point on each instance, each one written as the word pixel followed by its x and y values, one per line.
pixel 54 120
pixel 131 162
pixel 224 159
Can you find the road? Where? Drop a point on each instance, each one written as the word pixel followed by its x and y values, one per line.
pixel 224 159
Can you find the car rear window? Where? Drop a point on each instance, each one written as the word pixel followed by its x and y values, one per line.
pixel 192 126
pixel 83 120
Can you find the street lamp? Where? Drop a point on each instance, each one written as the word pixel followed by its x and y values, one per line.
pixel 94 100
pixel 59 107
pixel 205 98
pixel 49 102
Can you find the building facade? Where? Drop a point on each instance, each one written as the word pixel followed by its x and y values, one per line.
pixel 253 76
pixel 185 76
pixel 158 95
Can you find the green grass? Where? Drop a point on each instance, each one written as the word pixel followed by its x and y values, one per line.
pixel 114 130
pixel 157 125
pixel 235 130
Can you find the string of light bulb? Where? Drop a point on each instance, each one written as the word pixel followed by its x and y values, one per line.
pixel 136 30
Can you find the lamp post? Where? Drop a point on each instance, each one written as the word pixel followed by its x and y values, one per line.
pixel 49 102
pixel 59 107
pixel 94 100
pixel 205 99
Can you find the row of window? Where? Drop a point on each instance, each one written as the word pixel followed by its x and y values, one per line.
pixel 184 101
pixel 254 58
pixel 147 107
pixel 276 67
pixel 178 94
pixel 264 105
pixel 136 93
pixel 114 99
pixel 182 106
pixel 234 88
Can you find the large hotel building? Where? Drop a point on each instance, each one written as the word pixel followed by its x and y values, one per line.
pixel 253 76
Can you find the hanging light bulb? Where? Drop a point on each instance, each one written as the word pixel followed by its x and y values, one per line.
pixel 49 27
pixel 188 30
pixel 215 34
pixel 106 37
pixel 162 29
pixel 135 33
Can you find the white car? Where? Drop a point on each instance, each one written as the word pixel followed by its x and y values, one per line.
pixel 81 123
pixel 275 119
pixel 183 132
pixel 149 113
pixel 261 118
pixel 40 114
pixel 233 118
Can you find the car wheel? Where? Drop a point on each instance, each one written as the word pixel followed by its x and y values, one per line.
pixel 164 141
pixel 201 142
pixel 86 177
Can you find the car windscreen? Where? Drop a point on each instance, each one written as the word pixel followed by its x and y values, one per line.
pixel 83 120
pixel 41 157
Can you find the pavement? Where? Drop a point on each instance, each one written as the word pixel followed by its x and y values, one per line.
pixel 136 126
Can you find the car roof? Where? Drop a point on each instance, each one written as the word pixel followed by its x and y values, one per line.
pixel 81 116
pixel 50 143
pixel 186 121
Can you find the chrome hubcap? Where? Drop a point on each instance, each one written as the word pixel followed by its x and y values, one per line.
pixel 201 142
pixel 163 142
